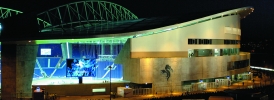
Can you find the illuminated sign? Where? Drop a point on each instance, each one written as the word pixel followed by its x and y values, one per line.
pixel 45 51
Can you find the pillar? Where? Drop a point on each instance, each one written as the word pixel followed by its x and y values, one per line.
pixel 66 50
pixel 18 63
pixel 111 48
pixel 102 49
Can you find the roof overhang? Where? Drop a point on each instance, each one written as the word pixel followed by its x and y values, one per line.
pixel 123 36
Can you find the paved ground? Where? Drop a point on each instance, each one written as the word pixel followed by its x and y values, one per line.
pixel 101 97
pixel 238 85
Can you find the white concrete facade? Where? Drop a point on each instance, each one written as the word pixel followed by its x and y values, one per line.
pixel 170 48
pixel 177 40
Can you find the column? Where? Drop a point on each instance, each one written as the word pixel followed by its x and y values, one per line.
pixel 102 49
pixel 111 49
pixel 66 50
pixel 18 63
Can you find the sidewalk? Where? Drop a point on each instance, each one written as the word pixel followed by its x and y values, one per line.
pixel 102 97
pixel 238 85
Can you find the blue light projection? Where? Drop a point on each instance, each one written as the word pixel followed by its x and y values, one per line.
pixel 81 67
pixel 91 57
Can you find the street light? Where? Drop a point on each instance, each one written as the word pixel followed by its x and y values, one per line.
pixel 109 81
pixel 0 27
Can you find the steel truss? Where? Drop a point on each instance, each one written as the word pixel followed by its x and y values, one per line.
pixel 84 14
pixel 7 12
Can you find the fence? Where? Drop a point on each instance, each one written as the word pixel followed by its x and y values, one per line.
pixel 142 91
pixel 204 85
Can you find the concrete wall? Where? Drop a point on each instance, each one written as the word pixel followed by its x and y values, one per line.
pixel 177 40
pixel 131 71
pixel 80 89
pixel 147 68
pixel 25 63
pixel 18 63
pixel 8 57
pixel 185 69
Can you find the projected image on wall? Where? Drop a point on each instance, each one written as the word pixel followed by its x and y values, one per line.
pixel 84 60
pixel 81 67
pixel 45 51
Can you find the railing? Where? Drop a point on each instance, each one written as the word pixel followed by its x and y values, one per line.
pixel 204 86
pixel 142 91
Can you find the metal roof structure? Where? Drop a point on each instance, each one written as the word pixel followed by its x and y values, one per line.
pixel 82 15
pixel 94 21
pixel 120 31
pixel 7 12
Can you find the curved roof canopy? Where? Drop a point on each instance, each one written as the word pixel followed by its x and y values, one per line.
pixel 100 21
pixel 120 31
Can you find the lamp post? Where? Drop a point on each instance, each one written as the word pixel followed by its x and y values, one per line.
pixel 253 82
pixel 109 82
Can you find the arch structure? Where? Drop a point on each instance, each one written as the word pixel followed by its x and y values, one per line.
pixel 82 15
pixel 7 12
pixel 139 24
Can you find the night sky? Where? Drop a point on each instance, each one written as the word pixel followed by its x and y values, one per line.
pixel 260 24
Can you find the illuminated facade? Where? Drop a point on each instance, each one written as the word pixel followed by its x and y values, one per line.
pixel 164 51
pixel 173 59
pixel 45 56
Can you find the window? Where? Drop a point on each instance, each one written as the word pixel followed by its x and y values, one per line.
pixel 209 41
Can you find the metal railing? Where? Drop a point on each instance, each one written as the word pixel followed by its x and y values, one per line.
pixel 142 91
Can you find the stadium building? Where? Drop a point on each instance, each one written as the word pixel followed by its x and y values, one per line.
pixel 76 48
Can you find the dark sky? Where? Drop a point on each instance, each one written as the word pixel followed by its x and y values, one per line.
pixel 260 24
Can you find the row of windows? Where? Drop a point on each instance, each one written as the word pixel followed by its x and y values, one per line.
pixel 231 41
pixel 212 41
pixel 212 52
pixel 199 41
pixel 237 64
